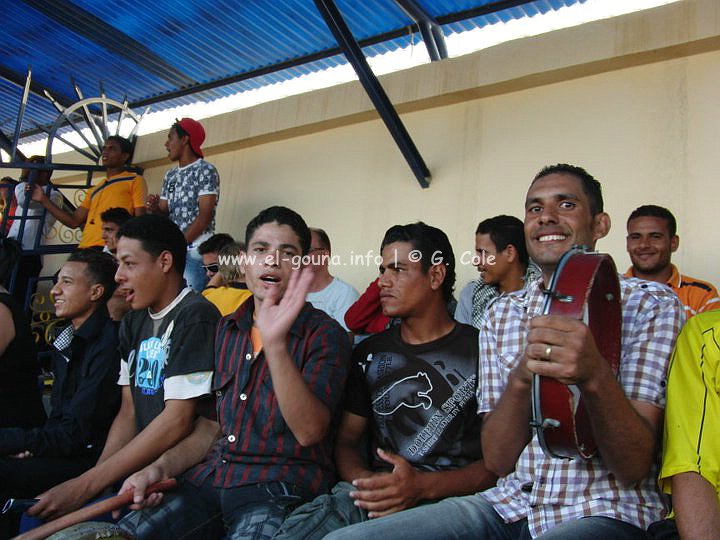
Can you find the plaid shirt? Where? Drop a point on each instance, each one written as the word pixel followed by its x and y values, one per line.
pixel 257 445
pixel 558 490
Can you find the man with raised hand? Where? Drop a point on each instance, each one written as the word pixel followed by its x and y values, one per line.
pixel 280 370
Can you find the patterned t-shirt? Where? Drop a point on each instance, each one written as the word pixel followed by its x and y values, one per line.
pixel 167 355
pixel 183 186
pixel 420 399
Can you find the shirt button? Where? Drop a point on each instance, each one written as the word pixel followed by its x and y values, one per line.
pixel 231 438
pixel 224 461
pixel 243 397
pixel 248 356
pixel 218 393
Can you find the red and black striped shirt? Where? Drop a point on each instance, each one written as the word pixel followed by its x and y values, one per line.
pixel 257 445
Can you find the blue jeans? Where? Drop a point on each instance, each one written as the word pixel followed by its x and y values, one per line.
pixel 322 515
pixel 195 275
pixel 470 517
pixel 248 512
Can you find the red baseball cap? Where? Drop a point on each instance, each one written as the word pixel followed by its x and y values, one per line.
pixel 196 133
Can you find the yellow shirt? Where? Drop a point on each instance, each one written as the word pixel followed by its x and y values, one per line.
pixel 125 190
pixel 226 299
pixel 692 417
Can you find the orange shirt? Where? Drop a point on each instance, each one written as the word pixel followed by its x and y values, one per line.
pixel 125 190
pixel 696 295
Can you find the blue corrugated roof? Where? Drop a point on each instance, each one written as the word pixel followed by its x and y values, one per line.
pixel 171 52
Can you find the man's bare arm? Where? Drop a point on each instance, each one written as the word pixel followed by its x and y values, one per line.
pixel 123 428
pixel 188 452
pixel 206 206
pixel 173 424
pixel 506 430
pixel 695 502
pixel 348 447
pixel 73 219
pixel 306 416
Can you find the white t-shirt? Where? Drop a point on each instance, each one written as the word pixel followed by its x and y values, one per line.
pixel 335 299
pixel 34 209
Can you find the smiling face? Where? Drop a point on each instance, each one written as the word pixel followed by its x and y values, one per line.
pixel 269 260
pixel 650 245
pixel 557 217
pixel 112 155
pixel 141 277
pixel 405 289
pixel 74 296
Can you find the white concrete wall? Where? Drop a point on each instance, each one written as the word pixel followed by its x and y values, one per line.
pixel 633 99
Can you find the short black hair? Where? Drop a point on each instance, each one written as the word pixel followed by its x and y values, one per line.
pixel 117 215
pixel 433 245
pixel 283 216
pixel 100 268
pixel 215 243
pixel 126 146
pixel 591 187
pixel 179 130
pixel 652 210
pixel 157 234
pixel 323 236
pixel 504 231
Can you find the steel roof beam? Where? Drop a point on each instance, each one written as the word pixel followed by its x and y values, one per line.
pixel 96 30
pixel 430 30
pixel 374 89
pixel 37 89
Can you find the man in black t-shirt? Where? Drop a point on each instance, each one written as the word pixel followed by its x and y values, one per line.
pixel 166 348
pixel 413 393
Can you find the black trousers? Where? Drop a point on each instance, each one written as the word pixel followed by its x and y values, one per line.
pixel 29 269
pixel 26 478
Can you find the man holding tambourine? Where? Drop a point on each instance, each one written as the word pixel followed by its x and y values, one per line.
pixel 608 494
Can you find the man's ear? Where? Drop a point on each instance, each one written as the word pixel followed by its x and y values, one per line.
pixel 437 273
pixel 165 259
pixel 510 253
pixel 674 243
pixel 96 292
pixel 601 225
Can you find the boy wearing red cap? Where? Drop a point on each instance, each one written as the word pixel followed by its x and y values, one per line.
pixel 189 194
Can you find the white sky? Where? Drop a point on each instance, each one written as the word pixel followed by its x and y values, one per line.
pixel 457 44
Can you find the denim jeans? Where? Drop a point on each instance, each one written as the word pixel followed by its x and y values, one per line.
pixel 470 517
pixel 195 275
pixel 248 512
pixel 322 515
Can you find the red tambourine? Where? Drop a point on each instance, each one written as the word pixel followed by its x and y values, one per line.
pixel 584 286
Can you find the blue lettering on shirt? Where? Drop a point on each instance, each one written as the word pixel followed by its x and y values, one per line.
pixel 150 370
